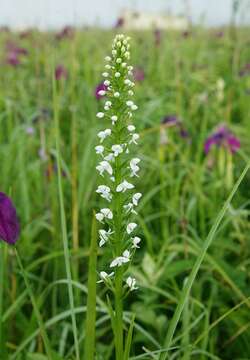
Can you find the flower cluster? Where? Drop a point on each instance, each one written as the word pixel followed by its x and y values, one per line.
pixel 116 167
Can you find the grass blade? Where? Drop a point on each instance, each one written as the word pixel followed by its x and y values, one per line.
pixel 129 339
pixel 91 302
pixel 63 218
pixel 36 309
pixel 191 278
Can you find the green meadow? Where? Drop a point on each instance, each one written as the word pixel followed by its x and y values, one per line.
pixel 193 265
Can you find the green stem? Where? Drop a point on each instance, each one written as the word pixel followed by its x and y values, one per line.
pixel 63 219
pixel 118 315
pixel 118 249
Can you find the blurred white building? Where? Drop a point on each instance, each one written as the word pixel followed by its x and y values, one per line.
pixel 138 20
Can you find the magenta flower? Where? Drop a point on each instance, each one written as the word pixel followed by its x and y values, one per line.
pixel 174 121
pixel 14 53
pixel 171 120
pixel 245 70
pixel 98 88
pixel 12 47
pixel 13 59
pixel 219 34
pixel 66 33
pixel 61 72
pixel 9 224
pixel 138 74
pixel 119 23
pixel 222 137
pixel 157 36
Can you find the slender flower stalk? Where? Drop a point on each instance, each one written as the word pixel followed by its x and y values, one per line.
pixel 118 169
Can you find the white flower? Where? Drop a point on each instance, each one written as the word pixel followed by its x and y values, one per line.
pixel 136 197
pixel 130 208
pixel 108 103
pixel 134 107
pixel 101 92
pixel 104 236
pixel 108 67
pixel 116 94
pixel 104 166
pixel 109 157
pixel 105 74
pixel 124 64
pixel 99 149
pixel 118 60
pixel 117 149
pixel 103 134
pixel 131 227
pixel 100 115
pixel 104 276
pixel 131 283
pixel 135 241
pixel 117 74
pixel 104 191
pixel 129 103
pixel 134 138
pixel 134 167
pixel 108 58
pixel 127 82
pixel 114 118
pixel 130 92
pixel 131 128
pixel 120 260
pixel 106 83
pixel 99 217
pixel 104 213
pixel 123 186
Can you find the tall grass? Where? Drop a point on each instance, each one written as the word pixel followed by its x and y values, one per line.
pixel 193 266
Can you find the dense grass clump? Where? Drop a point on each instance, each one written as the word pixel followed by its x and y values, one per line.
pixel 193 96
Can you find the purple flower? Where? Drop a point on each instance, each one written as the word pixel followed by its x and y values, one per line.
pixel 138 74
pixel 66 33
pixel 174 121
pixel 98 88
pixel 9 224
pixel 13 59
pixel 12 47
pixel 222 137
pixel 14 53
pixel 119 22
pixel 219 34
pixel 245 70
pixel 157 36
pixel 186 34
pixel 61 72
pixel 30 130
pixel 171 120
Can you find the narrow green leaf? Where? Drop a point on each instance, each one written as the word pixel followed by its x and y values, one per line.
pixel 129 338
pixel 196 267
pixel 91 302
